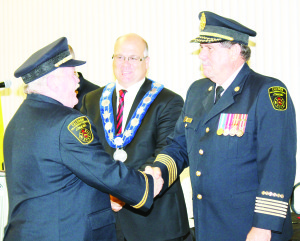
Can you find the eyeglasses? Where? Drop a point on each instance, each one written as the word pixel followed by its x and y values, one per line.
pixel 131 59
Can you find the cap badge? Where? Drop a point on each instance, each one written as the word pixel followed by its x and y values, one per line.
pixel 202 22
pixel 278 97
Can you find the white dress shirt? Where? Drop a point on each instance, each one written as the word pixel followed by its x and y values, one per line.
pixel 228 82
pixel 128 99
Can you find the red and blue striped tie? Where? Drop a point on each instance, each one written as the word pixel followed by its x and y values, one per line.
pixel 120 112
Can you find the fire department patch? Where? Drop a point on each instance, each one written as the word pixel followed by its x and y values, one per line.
pixel 278 97
pixel 81 129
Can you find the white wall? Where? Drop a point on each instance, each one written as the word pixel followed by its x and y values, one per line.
pixel 92 26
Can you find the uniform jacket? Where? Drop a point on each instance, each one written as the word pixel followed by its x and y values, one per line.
pixel 238 182
pixel 84 88
pixel 58 176
pixel 167 218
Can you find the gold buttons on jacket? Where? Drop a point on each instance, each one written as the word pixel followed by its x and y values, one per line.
pixel 207 129
pixel 198 173
pixel 185 125
pixel 201 152
pixel 199 196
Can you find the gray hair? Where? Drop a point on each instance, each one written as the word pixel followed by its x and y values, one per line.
pixel 37 86
pixel 245 49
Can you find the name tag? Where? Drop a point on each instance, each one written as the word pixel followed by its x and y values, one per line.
pixel 187 119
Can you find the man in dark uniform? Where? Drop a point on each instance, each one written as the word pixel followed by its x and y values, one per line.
pixel 240 142
pixel 58 174
pixel 150 112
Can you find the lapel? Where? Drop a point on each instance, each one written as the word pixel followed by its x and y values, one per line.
pixel 228 98
pixel 114 105
pixel 139 96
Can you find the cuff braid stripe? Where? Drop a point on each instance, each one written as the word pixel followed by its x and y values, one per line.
pixel 143 201
pixel 271 207
pixel 170 164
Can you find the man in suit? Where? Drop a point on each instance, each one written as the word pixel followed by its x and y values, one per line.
pixel 149 116
pixel 58 174
pixel 237 132
pixel 85 86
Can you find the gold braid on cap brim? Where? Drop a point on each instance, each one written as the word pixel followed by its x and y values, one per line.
pixel 207 37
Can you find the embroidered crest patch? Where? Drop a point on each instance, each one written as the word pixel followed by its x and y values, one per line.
pixel 278 97
pixel 81 129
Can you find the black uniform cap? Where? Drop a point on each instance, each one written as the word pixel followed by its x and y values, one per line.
pixel 215 28
pixel 46 60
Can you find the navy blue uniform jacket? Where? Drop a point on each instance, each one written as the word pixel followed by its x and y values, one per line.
pixel 238 182
pixel 167 219
pixel 58 176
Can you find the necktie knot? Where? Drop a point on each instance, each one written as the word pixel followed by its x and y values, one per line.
pixel 122 93
pixel 219 91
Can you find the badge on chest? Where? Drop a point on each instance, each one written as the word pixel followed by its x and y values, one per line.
pixel 232 124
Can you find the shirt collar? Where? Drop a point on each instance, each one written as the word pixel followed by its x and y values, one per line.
pixel 229 81
pixel 132 89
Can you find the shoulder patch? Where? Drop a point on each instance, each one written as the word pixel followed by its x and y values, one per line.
pixel 278 97
pixel 81 129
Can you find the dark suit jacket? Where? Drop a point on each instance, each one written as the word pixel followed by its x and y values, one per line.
pixel 58 176
pixel 168 217
pixel 238 181
pixel 84 88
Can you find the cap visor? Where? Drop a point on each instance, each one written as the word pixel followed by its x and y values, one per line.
pixel 72 63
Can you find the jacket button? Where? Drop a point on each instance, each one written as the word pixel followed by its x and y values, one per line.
pixel 199 196
pixel 185 125
pixel 198 173
pixel 207 129
pixel 201 152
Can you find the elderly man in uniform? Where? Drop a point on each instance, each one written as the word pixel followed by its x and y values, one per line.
pixel 237 132
pixel 58 174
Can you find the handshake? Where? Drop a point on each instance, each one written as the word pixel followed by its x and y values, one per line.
pixel 117 204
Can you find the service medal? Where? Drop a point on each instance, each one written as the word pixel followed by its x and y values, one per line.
pixel 220 132
pixel 120 155
pixel 239 133
pixel 232 131
pixel 221 125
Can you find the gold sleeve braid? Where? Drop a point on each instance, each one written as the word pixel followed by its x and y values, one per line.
pixel 170 164
pixel 144 199
pixel 271 207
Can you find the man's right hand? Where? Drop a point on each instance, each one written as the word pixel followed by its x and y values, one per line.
pixel 158 181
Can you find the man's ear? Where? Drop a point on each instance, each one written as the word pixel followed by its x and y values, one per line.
pixel 147 60
pixel 235 51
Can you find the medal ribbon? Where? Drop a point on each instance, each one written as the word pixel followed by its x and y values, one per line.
pixel 228 123
pixel 221 126
pixel 106 112
pixel 243 122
